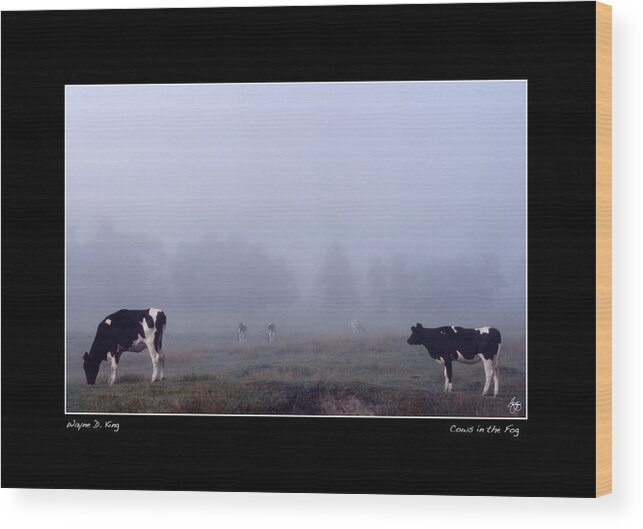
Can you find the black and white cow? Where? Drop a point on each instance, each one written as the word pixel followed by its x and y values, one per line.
pixel 127 330
pixel 272 332
pixel 242 332
pixel 357 327
pixel 451 344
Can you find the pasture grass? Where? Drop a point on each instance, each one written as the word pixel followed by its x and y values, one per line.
pixel 361 376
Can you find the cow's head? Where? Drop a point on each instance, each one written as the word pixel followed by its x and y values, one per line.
pixel 91 368
pixel 417 333
pixel 423 336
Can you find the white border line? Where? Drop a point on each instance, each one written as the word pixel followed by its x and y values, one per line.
pixel 307 82
pixel 296 416
pixel 526 248
pixel 65 237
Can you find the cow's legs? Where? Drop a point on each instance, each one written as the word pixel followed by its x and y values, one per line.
pixel 114 364
pixel 488 374
pixel 448 376
pixel 496 384
pixel 496 371
pixel 161 364
pixel 154 356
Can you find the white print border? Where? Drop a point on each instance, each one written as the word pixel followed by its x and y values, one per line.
pixel 296 416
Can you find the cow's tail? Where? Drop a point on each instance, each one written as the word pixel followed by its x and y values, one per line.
pixel 161 321
pixel 497 340
pixel 494 334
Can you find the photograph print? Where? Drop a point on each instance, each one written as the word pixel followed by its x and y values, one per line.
pixel 297 249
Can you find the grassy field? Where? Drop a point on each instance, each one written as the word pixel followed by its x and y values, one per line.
pixel 366 376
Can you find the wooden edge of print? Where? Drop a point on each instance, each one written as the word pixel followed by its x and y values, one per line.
pixel 603 249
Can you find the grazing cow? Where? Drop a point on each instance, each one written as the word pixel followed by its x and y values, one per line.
pixel 449 344
pixel 272 332
pixel 243 330
pixel 127 330
pixel 358 327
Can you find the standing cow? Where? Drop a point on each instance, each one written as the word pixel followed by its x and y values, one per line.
pixel 127 330
pixel 272 332
pixel 357 327
pixel 449 344
pixel 242 332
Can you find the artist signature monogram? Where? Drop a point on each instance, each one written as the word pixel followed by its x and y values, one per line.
pixel 514 406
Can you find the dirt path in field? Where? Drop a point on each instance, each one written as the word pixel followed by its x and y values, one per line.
pixel 348 405
pixel 333 402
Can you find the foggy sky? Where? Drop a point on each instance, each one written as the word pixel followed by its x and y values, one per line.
pixel 389 202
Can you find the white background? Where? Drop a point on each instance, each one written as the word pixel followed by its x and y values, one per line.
pixel 101 509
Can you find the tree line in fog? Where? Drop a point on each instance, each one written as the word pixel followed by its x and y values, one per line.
pixel 214 277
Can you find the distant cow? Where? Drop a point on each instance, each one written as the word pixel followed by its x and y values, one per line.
pixel 243 331
pixel 127 330
pixel 358 327
pixel 449 344
pixel 272 332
